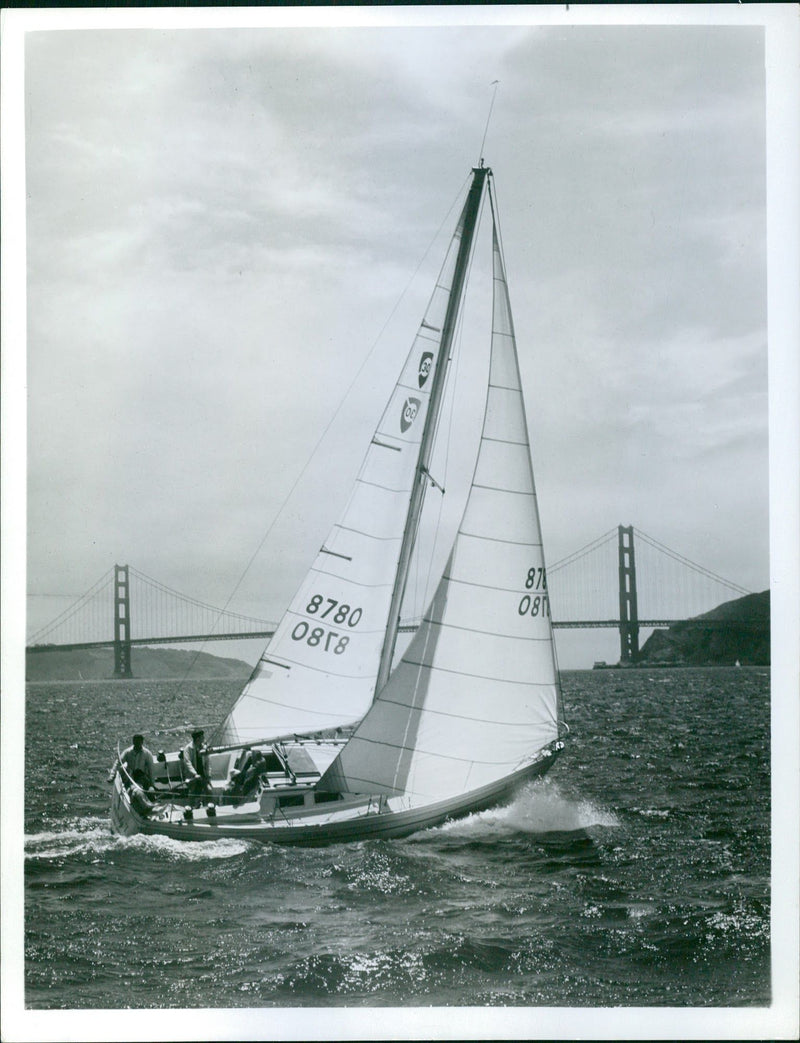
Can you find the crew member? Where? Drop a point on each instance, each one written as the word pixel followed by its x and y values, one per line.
pixel 244 780
pixel 195 764
pixel 137 761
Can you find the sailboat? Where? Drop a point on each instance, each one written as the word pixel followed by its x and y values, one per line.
pixel 338 734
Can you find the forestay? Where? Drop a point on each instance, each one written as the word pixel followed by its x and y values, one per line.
pixel 319 670
pixel 476 695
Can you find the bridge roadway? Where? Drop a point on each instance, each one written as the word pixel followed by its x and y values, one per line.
pixel 572 624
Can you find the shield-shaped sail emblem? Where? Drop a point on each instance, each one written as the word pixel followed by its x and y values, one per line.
pixel 425 364
pixel 409 414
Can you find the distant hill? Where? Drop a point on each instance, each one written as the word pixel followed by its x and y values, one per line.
pixel 149 663
pixel 745 637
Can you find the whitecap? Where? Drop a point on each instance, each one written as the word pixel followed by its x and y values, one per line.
pixel 637 910
pixel 539 808
pixel 186 851
pixel 92 835
pixel 542 808
pixel 84 835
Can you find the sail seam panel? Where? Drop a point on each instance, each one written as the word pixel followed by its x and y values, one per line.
pixel 384 488
pixel 291 706
pixel 462 673
pixel 466 717
pixel 398 438
pixel 503 489
pixel 474 630
pixel 415 388
pixel 427 753
pixel 480 536
pixel 488 586
pixel 321 670
pixel 504 441
pixel 355 582
pixel 497 539
pixel 366 535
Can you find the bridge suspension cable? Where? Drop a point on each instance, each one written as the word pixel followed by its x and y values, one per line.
pixel 101 586
pixel 691 564
pixel 164 615
pixel 583 585
pixel 583 551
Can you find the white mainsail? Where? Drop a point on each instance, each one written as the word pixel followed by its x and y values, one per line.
pixel 476 694
pixel 319 670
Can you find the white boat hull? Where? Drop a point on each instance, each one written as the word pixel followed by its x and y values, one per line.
pixel 356 819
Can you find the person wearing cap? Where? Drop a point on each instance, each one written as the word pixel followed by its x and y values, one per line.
pixel 195 763
pixel 137 761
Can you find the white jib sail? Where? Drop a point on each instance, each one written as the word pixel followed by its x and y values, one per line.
pixel 319 669
pixel 475 696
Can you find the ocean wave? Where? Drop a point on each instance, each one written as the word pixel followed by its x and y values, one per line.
pixel 92 836
pixel 181 851
pixel 89 835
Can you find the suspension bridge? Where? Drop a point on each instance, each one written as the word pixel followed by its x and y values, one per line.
pixel 615 581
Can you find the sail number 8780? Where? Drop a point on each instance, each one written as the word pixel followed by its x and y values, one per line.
pixel 334 612
pixel 343 614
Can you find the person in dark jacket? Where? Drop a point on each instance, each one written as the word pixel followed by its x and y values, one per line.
pixel 245 779
pixel 195 764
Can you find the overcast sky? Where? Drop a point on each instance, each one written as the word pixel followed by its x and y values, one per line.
pixel 221 222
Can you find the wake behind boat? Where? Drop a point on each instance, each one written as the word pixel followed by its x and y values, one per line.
pixel 330 740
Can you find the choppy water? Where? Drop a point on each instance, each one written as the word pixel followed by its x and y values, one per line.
pixel 636 874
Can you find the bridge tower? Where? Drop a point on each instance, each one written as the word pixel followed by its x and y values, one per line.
pixel 628 608
pixel 122 623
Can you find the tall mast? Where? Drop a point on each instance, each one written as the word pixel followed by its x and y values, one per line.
pixel 468 222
